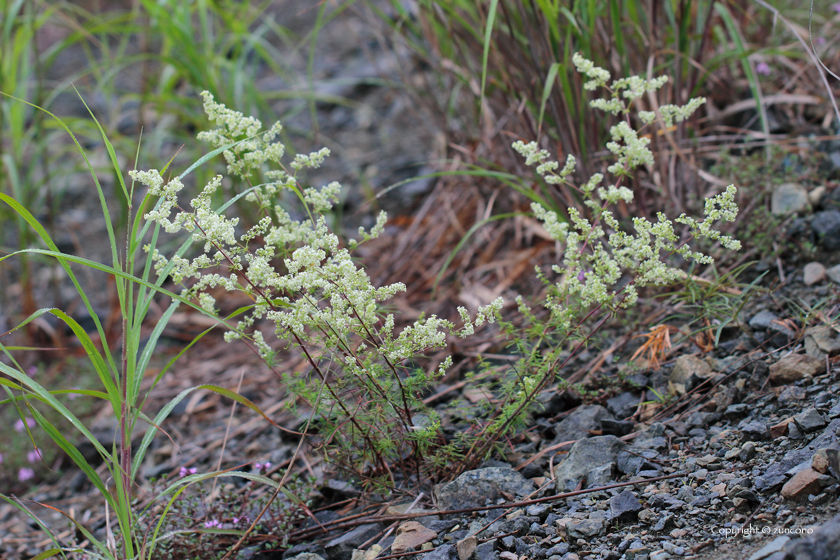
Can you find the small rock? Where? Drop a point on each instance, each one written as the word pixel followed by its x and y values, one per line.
pixel 485 551
pixel 755 431
pixel 806 481
pixel 813 273
pixel 411 534
pixel 443 552
pixel 623 405
pixel 809 420
pixel 822 340
pixel 474 488
pixel 794 367
pixel 306 556
pixel 826 461
pixel 824 543
pixel 747 451
pixel 585 456
pixel 616 428
pixel 688 372
pixel 816 195
pixel 788 199
pixel 624 505
pixel 602 475
pixel 833 274
pixel 579 424
pixel 342 547
pixel 762 320
pixel 465 547
pixel 791 394
pixel 826 226
pixel 585 528
pixel 647 516
pixel 774 546
pixel 665 522
pixel 780 429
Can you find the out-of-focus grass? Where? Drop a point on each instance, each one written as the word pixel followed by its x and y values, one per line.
pixel 19 445
pixel 508 63
pixel 140 66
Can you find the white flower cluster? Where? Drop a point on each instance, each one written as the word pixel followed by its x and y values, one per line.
pixel 299 276
pixel 248 149
pixel 593 261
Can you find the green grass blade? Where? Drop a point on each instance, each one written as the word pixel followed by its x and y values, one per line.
pixel 488 34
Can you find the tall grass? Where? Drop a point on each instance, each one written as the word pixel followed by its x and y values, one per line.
pixel 511 61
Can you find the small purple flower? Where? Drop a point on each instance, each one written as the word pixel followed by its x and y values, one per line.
pixel 25 474
pixel 258 466
pixel 34 456
pixel 763 68
pixel 821 40
pixel 19 424
pixel 185 471
pixel 32 371
pixel 1 457
pixel 581 276
pixel 267 465
pixel 212 523
pixel 836 7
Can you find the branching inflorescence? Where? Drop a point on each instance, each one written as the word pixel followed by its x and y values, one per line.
pixel 303 280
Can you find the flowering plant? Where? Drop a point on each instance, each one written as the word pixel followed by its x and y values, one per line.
pixel 603 265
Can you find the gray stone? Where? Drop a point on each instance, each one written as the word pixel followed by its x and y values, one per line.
pixel 623 405
pixel 443 552
pixel 755 431
pixel 772 479
pixel 475 488
pixel 558 550
pixel 688 372
pixel 833 274
pixel 586 455
pixel 341 548
pixel 700 419
pixel 789 198
pixel 485 551
pixel 624 506
pixel 828 438
pixel 821 341
pixel 647 516
pixel 813 273
pixel 770 548
pixel 822 544
pixel 601 476
pixel 616 427
pixel 791 395
pixel 762 320
pixel 826 226
pixel 585 528
pixel 305 551
pixel 306 556
pixel 579 424
pixel 809 420
pixel 634 460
